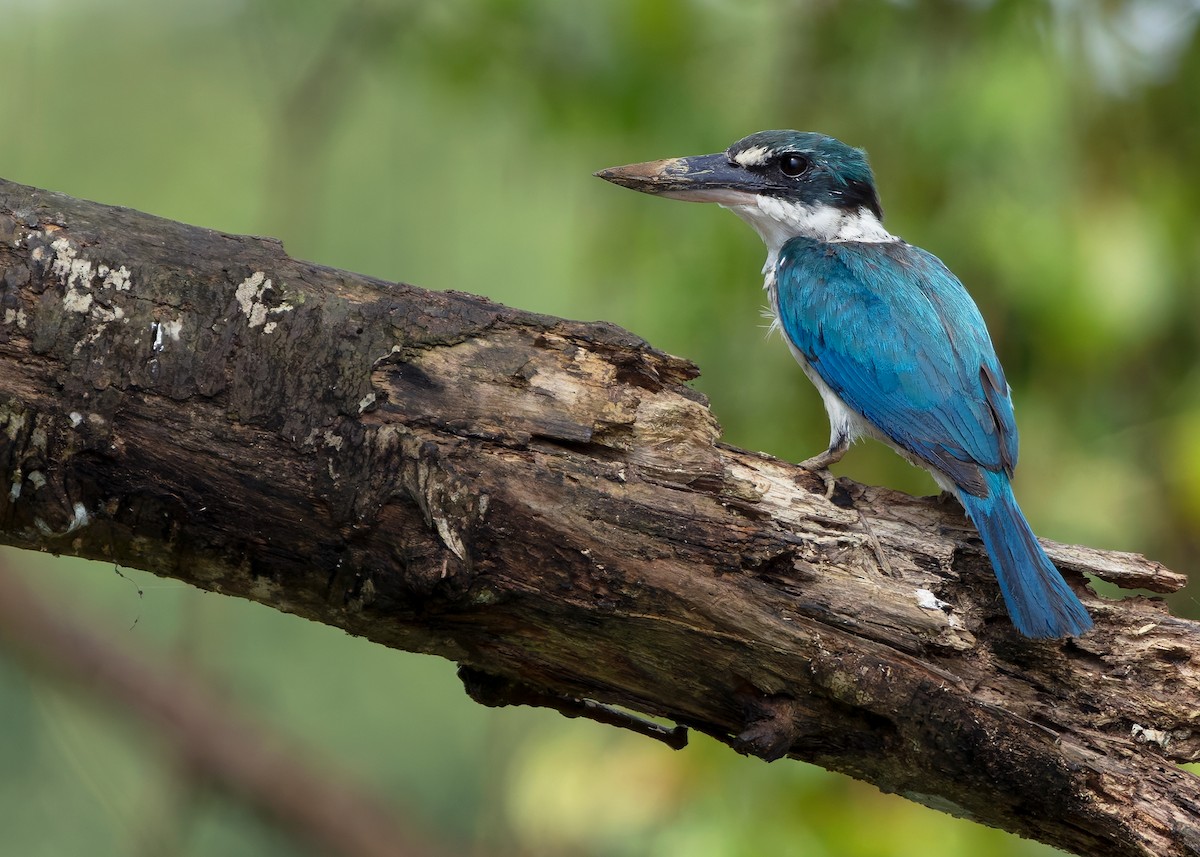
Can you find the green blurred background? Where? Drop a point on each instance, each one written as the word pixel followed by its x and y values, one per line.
pixel 1049 152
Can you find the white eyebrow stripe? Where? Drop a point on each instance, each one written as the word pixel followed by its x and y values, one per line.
pixel 755 156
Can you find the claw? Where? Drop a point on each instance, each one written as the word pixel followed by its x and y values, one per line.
pixel 947 500
pixel 827 478
pixel 818 465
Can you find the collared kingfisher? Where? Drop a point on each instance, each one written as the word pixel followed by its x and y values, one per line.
pixel 891 339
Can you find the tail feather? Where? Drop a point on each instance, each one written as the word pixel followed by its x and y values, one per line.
pixel 1038 599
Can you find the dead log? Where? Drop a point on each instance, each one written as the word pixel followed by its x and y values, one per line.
pixel 548 504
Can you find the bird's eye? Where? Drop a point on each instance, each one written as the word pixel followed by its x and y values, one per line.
pixel 793 165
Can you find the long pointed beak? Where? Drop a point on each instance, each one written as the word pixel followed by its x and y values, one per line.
pixel 704 178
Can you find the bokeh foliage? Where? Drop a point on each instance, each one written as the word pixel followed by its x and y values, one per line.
pixel 1049 152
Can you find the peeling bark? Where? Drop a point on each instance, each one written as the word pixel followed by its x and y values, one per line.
pixel 547 502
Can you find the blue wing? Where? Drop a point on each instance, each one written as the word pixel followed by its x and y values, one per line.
pixel 897 337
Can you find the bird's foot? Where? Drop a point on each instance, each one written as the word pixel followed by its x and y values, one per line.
pixel 818 465
pixel 822 473
pixel 822 461
pixel 947 499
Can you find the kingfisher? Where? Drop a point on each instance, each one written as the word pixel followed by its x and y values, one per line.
pixel 893 342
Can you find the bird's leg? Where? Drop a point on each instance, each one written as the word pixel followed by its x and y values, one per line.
pixel 947 499
pixel 830 456
pixel 819 464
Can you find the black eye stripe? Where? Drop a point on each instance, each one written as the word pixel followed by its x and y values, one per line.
pixel 793 165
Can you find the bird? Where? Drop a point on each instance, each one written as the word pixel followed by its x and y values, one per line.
pixel 891 339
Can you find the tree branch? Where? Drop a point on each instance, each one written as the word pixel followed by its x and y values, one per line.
pixel 547 502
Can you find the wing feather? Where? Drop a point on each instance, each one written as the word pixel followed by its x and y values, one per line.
pixel 894 333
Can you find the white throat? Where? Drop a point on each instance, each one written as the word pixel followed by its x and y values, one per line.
pixel 776 221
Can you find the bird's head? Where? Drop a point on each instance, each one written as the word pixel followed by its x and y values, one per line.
pixel 784 183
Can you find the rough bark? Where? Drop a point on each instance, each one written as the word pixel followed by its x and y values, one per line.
pixel 547 503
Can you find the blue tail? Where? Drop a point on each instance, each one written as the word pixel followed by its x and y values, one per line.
pixel 1038 599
